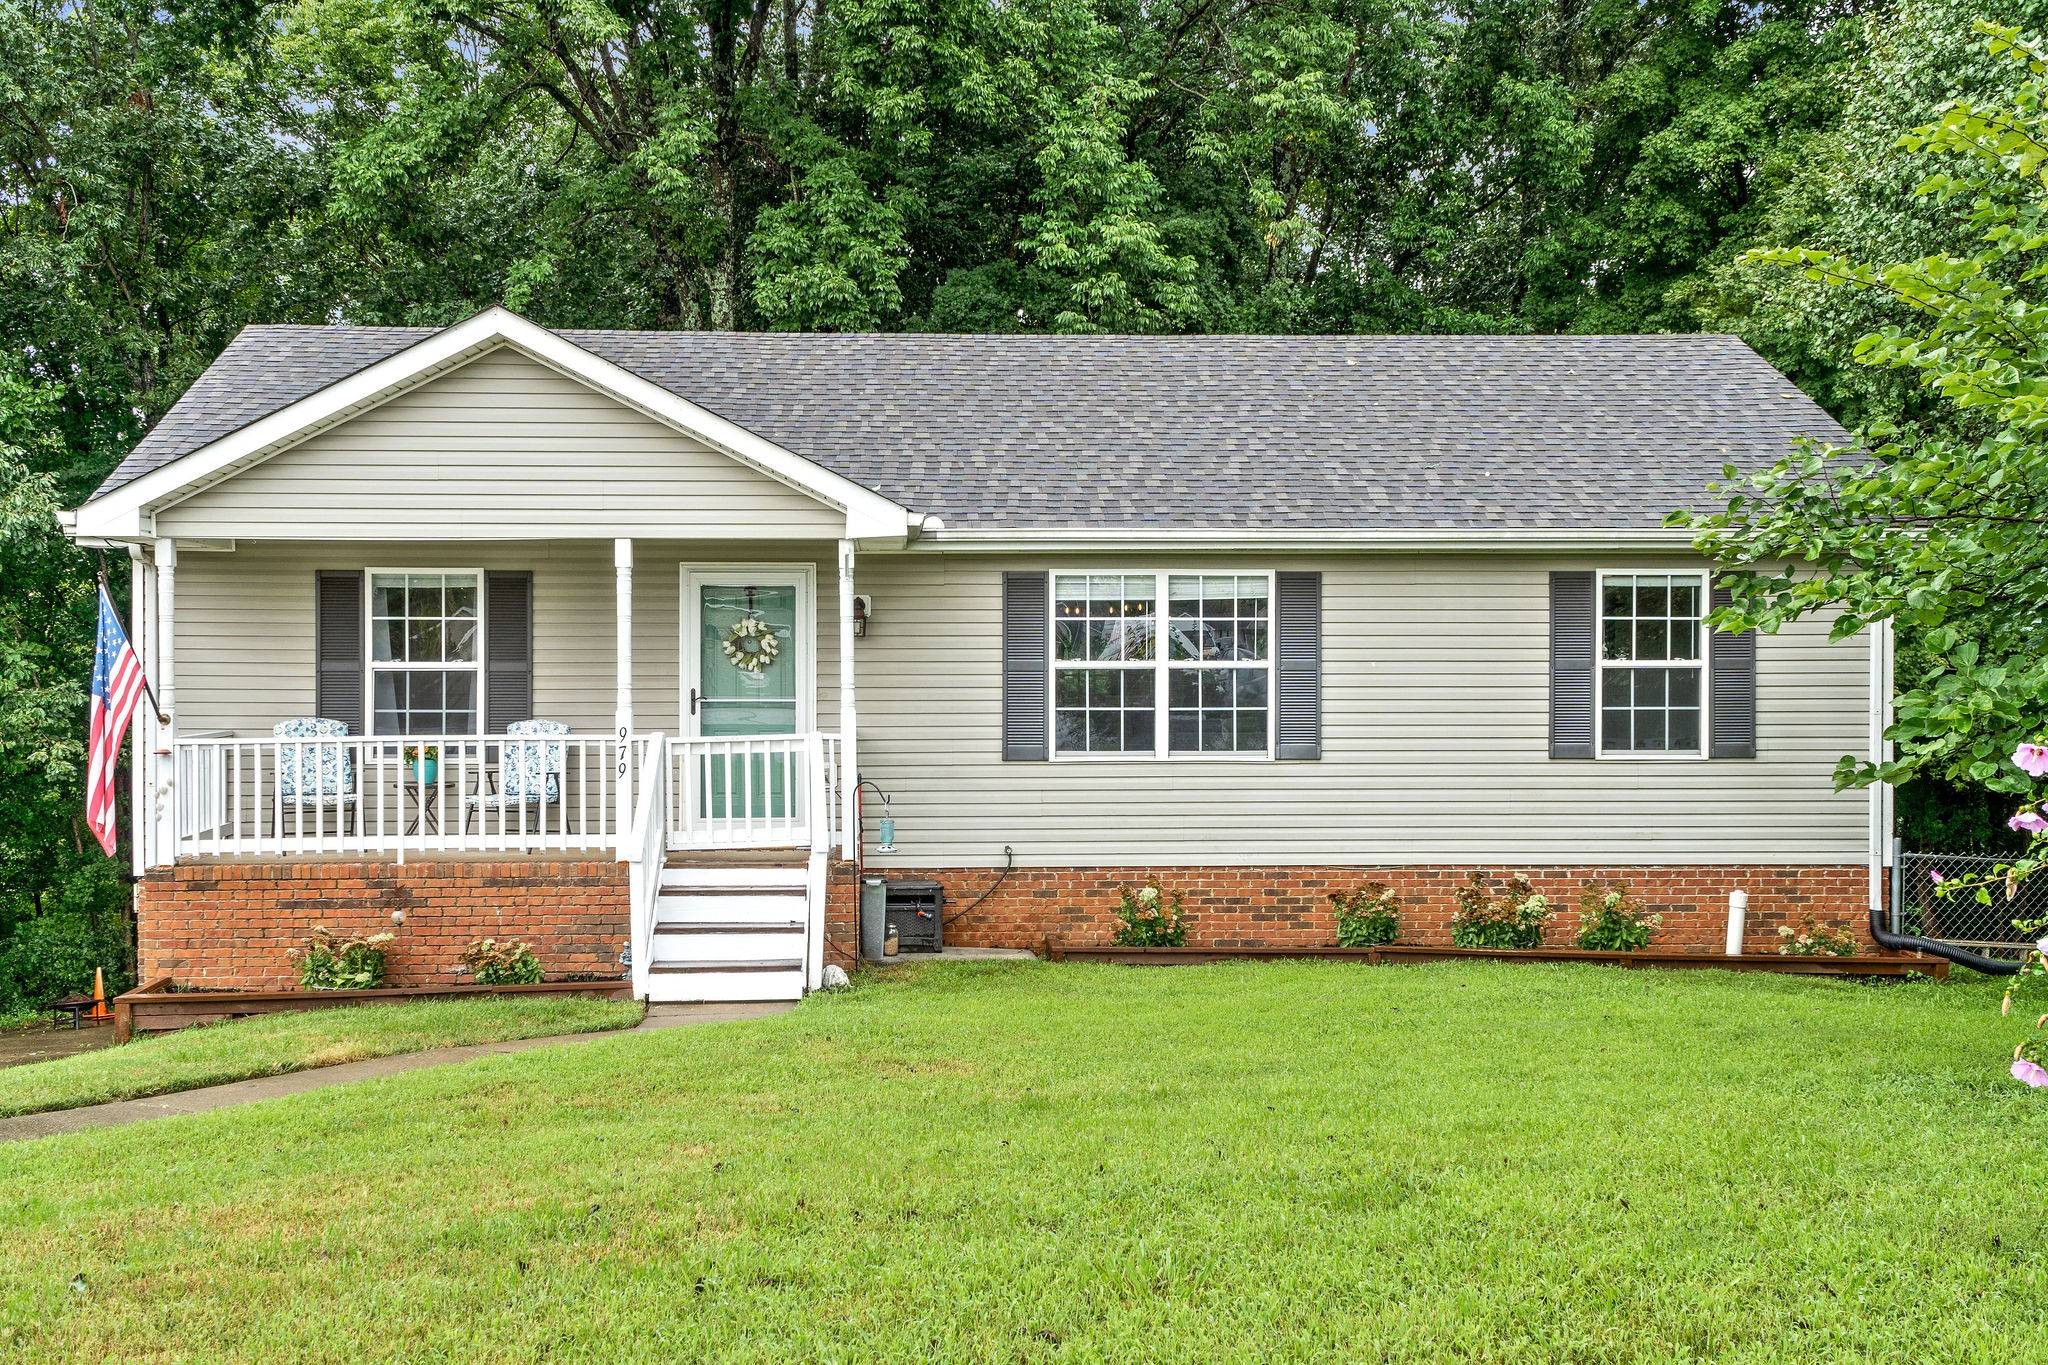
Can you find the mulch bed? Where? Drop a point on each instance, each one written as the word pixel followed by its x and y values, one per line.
pixel 1872 964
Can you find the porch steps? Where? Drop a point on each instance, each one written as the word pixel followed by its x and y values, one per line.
pixel 729 927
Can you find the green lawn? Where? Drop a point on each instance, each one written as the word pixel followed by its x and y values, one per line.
pixel 269 1045
pixel 1295 1161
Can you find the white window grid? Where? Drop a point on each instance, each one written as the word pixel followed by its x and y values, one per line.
pixel 372 665
pixel 1602 665
pixel 1161 664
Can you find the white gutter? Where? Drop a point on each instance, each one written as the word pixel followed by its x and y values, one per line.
pixel 1309 538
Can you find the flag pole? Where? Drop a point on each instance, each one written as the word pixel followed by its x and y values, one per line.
pixel 147 690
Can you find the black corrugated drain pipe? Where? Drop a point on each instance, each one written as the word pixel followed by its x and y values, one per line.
pixel 1962 957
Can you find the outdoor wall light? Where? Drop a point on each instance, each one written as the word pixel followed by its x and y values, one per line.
pixel 863 608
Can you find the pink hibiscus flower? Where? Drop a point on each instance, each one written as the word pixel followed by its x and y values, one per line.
pixel 2030 1072
pixel 2031 821
pixel 2032 759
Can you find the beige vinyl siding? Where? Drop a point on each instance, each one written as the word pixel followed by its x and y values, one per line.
pixel 1435 712
pixel 1435 739
pixel 501 446
pixel 244 629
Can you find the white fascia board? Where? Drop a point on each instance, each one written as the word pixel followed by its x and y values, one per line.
pixel 129 511
pixel 1340 539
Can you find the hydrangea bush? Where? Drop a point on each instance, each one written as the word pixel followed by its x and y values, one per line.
pixel 1151 917
pixel 1512 919
pixel 1813 939
pixel 507 963
pixel 1613 921
pixel 328 961
pixel 1367 917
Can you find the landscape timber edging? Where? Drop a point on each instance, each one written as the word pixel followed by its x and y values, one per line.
pixel 156 1008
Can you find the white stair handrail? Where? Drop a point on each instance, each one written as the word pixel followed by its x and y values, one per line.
pixel 645 854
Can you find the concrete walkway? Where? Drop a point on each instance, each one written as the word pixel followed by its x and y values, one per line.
pixel 295 1082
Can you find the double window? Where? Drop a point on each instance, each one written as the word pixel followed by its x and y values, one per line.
pixel 1162 663
pixel 425 652
pixel 1653 643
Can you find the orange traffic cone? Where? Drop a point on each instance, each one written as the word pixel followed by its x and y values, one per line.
pixel 99 1010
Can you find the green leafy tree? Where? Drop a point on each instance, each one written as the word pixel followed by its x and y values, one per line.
pixel 1935 527
pixel 1851 191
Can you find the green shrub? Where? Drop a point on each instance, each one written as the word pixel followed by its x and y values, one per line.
pixel 510 963
pixel 1512 919
pixel 55 955
pixel 1151 918
pixel 1367 917
pixel 1611 921
pixel 328 961
pixel 1812 939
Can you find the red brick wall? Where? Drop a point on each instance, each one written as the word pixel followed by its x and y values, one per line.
pixel 1271 906
pixel 227 925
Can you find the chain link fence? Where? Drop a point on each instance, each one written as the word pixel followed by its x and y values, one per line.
pixel 1960 918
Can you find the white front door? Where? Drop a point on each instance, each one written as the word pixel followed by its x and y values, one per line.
pixel 749 672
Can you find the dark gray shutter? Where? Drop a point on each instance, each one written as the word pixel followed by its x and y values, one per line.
pixel 1298 650
pixel 1572 627
pixel 508 650
pixel 338 646
pixel 1027 615
pixel 1731 689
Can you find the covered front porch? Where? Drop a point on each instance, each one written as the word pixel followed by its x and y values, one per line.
pixel 437 703
pixel 450 705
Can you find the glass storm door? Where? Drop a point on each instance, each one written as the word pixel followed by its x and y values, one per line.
pixel 747 653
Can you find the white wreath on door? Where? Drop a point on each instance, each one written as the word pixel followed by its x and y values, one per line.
pixel 751 645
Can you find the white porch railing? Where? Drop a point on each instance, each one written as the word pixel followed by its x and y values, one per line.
pixel 236 796
pixel 760 791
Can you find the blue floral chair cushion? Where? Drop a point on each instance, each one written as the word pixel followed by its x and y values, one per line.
pixel 530 774
pixel 315 774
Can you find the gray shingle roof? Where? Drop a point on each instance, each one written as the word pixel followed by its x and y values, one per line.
pixel 1189 431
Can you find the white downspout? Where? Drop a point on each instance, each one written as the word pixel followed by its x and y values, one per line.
pixel 622 712
pixel 1880 793
pixel 849 764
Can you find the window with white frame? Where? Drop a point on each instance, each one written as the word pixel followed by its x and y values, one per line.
pixel 1110 675
pixel 1652 663
pixel 425 652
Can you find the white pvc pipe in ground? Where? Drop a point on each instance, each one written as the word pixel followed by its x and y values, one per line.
pixel 1738 912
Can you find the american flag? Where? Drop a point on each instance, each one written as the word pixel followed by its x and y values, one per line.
pixel 117 684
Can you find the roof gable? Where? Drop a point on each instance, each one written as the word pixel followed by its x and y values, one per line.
pixel 232 438
pixel 500 446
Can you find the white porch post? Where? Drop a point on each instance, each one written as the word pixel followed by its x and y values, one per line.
pixel 622 714
pixel 849 763
pixel 163 796
pixel 142 735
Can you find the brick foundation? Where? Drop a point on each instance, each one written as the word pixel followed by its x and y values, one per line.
pixel 1273 906
pixel 226 925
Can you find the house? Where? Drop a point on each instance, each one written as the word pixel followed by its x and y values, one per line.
pixel 1265 617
